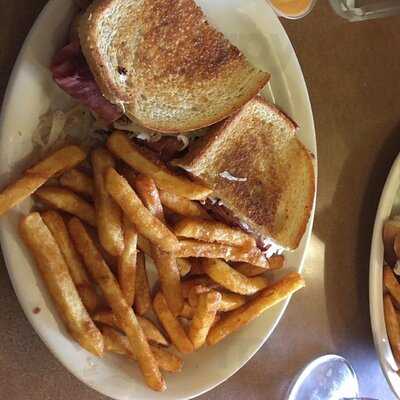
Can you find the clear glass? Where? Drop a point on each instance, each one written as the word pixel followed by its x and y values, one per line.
pixel 360 10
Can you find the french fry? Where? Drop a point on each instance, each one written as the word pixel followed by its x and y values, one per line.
pixel 391 283
pixel 146 224
pixel 274 262
pixel 68 201
pixel 83 284
pixel 204 315
pixel 142 289
pixel 36 176
pixel 213 231
pixel 229 301
pixel 187 311
pixel 165 262
pixel 117 343
pixel 392 325
pixel 78 182
pixel 201 280
pixel 127 263
pixel 126 317
pixel 184 266
pixel 193 248
pixel 222 273
pixel 196 266
pixel 108 213
pixel 54 271
pixel 151 332
pixel 270 296
pixel 128 173
pixel 183 206
pixel 120 145
pixel 174 329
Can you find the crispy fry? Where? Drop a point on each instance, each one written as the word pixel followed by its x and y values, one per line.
pixel 117 343
pixel 204 315
pixel 142 290
pixel 108 213
pixel 126 317
pixel 146 224
pixel 184 266
pixel 229 301
pixel 54 271
pixel 194 248
pixel 165 262
pixel 127 263
pixel 68 201
pixel 187 311
pixel 391 283
pixel 270 296
pixel 222 273
pixel 119 144
pixel 36 176
pixel 274 262
pixel 78 182
pixel 391 228
pixel 392 326
pixel 182 206
pixel 201 280
pixel 151 332
pixel 174 329
pixel 83 284
pixel 213 231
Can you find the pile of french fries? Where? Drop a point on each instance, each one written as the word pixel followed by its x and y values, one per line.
pixel 91 243
pixel 391 273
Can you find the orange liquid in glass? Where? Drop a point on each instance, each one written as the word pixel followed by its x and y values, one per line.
pixel 292 8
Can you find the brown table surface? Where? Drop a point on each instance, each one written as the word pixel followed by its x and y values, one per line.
pixel 352 71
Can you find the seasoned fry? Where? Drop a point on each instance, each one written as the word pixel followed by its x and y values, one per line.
pixel 36 176
pixel 229 301
pixel 182 206
pixel 222 273
pixel 145 223
pixel 391 283
pixel 274 262
pixel 54 271
pixel 187 311
pixel 194 248
pixel 78 182
pixel 85 287
pixel 174 329
pixel 392 326
pixel 126 317
pixel 117 343
pixel 270 296
pixel 108 213
pixel 204 315
pixel 68 201
pixel 142 290
pixel 184 266
pixel 144 245
pixel 151 332
pixel 119 144
pixel 213 231
pixel 201 280
pixel 127 263
pixel 165 262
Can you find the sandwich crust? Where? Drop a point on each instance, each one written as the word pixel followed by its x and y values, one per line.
pixel 260 170
pixel 164 64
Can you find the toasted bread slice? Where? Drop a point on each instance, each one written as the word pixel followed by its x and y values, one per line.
pixel 165 65
pixel 260 171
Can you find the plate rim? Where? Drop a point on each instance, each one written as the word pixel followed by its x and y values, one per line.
pixel 307 235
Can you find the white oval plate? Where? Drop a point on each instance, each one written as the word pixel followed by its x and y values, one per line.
pixel 30 92
pixel 389 204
